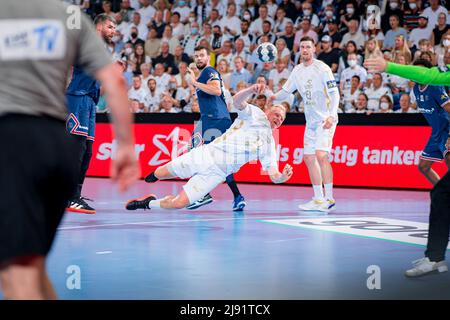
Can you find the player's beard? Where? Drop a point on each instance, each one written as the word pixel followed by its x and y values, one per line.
pixel 201 66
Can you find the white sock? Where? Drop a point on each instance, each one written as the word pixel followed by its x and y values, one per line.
pixel 318 192
pixel 154 204
pixel 328 191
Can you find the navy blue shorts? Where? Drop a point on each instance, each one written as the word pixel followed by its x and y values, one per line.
pixel 81 121
pixel 435 149
pixel 207 130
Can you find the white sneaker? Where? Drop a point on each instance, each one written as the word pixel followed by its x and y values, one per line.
pixel 424 266
pixel 313 205
pixel 328 205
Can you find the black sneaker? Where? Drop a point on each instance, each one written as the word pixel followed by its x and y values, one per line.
pixel 141 203
pixel 199 203
pixel 79 205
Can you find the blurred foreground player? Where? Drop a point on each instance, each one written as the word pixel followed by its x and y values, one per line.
pixel 38 170
pixel 439 224
pixel 249 138
pixel 83 95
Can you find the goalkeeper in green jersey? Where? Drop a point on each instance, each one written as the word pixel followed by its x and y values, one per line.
pixel 439 227
pixel 439 76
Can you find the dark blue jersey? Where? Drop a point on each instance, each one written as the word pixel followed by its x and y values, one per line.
pixel 83 84
pixel 430 101
pixel 211 106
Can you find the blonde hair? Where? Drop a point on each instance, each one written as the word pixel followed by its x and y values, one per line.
pixel 376 53
pixel 404 50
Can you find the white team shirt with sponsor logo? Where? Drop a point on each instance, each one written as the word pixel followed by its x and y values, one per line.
pixel 250 138
pixel 314 83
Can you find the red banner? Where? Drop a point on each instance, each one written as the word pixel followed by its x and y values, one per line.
pixel 366 156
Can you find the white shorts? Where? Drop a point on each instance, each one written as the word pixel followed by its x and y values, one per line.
pixel 198 165
pixel 318 138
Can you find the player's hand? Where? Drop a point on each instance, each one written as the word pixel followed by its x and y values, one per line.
pixel 375 65
pixel 447 145
pixel 259 88
pixel 287 172
pixel 125 169
pixel 328 123
pixel 193 77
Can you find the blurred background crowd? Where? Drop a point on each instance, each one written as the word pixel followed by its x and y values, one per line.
pixel 156 41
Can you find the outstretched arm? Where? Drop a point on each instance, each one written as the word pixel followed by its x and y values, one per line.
pixel 417 74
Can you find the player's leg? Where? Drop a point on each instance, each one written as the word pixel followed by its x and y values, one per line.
pixel 425 168
pixel 196 188
pixel 184 166
pixel 204 132
pixel 314 171
pixel 81 125
pixel 447 159
pixel 21 278
pixel 438 231
pixel 239 200
pixel 324 143
pixel 36 193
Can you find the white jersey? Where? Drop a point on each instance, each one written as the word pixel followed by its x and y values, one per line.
pixel 314 83
pixel 248 139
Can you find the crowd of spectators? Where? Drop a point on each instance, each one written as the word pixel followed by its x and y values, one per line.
pixel 156 41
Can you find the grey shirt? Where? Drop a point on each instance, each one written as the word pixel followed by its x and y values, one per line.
pixel 37 50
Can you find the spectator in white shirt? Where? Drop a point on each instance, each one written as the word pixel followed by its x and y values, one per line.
pixel 308 13
pixel 239 51
pixel 405 105
pixel 167 105
pixel 353 34
pixel 283 52
pixel 433 11
pixel 230 24
pixel 139 25
pixel 352 70
pixel 386 105
pixel 170 39
pixel 192 39
pixel 162 78
pixel 350 96
pixel 224 69
pixel 422 32
pixel 147 11
pixel 153 98
pixel 280 72
pixel 280 22
pixel 177 26
pixel 225 53
pixel 183 10
pixel 137 91
pixel 146 73
pixel 256 25
pixel 183 78
pixel 376 91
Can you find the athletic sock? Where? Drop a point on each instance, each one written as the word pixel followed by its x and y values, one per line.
pixel 151 178
pixel 233 186
pixel 318 192
pixel 154 204
pixel 328 191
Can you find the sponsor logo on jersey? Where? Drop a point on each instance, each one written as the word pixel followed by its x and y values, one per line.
pixel 331 84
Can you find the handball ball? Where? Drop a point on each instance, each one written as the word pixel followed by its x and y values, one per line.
pixel 266 52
